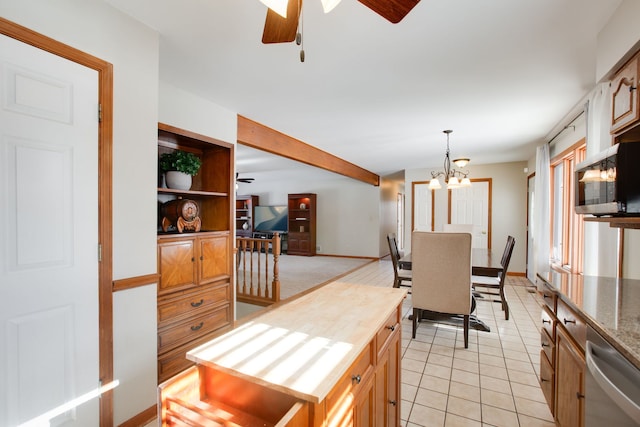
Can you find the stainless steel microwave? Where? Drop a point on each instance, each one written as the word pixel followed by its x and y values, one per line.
pixel 609 183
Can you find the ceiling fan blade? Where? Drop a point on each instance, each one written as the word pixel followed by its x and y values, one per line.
pixel 391 10
pixel 282 30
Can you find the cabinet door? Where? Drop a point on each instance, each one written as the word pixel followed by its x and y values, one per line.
pixel 364 405
pixel 387 404
pixel 214 258
pixel 176 265
pixel 624 97
pixel 570 369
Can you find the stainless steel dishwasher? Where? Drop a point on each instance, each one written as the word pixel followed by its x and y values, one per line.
pixel 612 386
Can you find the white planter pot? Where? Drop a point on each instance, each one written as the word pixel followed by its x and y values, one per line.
pixel 178 180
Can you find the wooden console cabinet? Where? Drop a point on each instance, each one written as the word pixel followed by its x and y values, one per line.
pixel 340 368
pixel 245 209
pixel 195 294
pixel 301 238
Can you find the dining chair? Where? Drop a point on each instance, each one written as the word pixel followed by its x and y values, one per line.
pixel 399 275
pixel 441 265
pixel 494 285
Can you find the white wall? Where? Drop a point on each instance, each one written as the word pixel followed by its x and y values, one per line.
pixel 390 186
pixel 348 211
pixel 508 207
pixel 95 28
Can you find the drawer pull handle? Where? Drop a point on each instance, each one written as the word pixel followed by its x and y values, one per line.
pixel 543 380
pixel 546 321
pixel 393 402
pixel 197 304
pixel 195 328
pixel 193 259
pixel 356 379
pixel 569 321
pixel 579 395
pixel 546 296
pixel 201 258
pixel 544 344
pixel 392 328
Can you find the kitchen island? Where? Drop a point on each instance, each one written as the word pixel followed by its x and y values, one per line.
pixel 330 355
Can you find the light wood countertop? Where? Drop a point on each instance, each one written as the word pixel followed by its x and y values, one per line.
pixel 303 347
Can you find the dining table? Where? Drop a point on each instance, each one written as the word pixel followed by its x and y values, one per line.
pixel 484 262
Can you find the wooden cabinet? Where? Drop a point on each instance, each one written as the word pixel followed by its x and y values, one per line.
pixel 195 298
pixel 301 238
pixel 562 359
pixel 625 110
pixel 245 214
pixel 570 370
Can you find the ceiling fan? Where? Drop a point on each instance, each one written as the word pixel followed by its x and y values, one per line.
pixel 281 25
pixel 245 180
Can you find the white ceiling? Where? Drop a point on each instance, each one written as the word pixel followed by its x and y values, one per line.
pixel 500 73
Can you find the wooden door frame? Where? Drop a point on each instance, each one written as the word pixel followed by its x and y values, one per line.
pixel 489 204
pixel 105 223
pixel 413 204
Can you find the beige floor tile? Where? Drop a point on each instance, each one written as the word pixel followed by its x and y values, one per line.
pixel 495 384
pixel 466 365
pixel 517 365
pixel 432 399
pixel 498 417
pixel 429 382
pixel 452 420
pixel 439 359
pixel 464 391
pixel 410 377
pixel 527 421
pixel 494 372
pixel 522 356
pixel 526 378
pixel 528 392
pixel 489 350
pixel 533 409
pixel 425 416
pixel 413 365
pixel 466 355
pixel 464 408
pixel 415 354
pixel 408 392
pixel 438 371
pixel 499 400
pixel 491 360
pixel 465 377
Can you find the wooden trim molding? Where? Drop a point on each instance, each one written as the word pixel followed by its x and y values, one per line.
pixel 135 282
pixel 105 222
pixel 261 137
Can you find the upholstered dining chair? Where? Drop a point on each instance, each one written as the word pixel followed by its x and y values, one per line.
pixel 441 265
pixel 494 285
pixel 400 277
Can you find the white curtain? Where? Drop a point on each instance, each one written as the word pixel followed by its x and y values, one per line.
pixel 541 210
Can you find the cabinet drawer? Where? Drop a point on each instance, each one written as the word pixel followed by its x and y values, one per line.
pixel 342 395
pixel 548 345
pixel 548 322
pixel 386 333
pixel 191 303
pixel 548 296
pixel 547 381
pixel 574 324
pixel 624 97
pixel 193 328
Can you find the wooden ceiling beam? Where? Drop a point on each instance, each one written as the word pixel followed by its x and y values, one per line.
pixel 261 137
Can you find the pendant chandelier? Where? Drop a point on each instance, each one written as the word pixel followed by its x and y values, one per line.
pixel 454 178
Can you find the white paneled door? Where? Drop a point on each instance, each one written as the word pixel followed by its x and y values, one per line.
pixel 470 205
pixel 48 235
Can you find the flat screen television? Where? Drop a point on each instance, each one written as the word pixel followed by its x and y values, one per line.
pixel 270 219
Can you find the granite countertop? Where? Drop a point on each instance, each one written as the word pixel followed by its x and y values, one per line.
pixel 303 347
pixel 609 305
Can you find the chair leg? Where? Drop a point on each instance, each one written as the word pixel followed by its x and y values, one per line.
pixel 416 313
pixel 505 305
pixel 466 331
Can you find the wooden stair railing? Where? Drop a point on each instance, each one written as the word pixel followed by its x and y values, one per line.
pixel 256 283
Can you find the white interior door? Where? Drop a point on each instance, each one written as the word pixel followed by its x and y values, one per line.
pixel 470 205
pixel 531 270
pixel 422 207
pixel 48 235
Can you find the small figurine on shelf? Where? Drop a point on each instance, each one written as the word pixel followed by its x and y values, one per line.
pixel 181 212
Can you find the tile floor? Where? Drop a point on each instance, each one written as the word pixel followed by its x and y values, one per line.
pixel 492 383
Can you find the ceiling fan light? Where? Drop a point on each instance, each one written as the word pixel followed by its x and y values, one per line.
pixel 328 5
pixel 453 182
pixel 466 182
pixel 434 184
pixel 461 162
pixel 278 6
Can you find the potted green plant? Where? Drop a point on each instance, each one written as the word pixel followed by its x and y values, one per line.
pixel 179 166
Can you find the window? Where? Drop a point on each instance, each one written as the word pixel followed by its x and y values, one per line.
pixel 567 228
